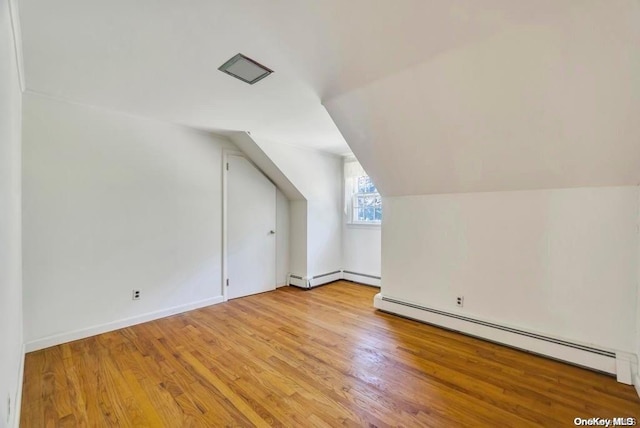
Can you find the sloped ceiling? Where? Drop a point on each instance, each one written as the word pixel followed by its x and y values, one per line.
pixel 432 96
pixel 160 59
pixel 267 165
pixel 546 104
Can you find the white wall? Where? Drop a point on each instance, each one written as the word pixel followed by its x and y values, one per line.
pixel 298 238
pixel 636 368
pixel 253 151
pixel 11 336
pixel 324 238
pixel 114 203
pixel 361 249
pixel 361 244
pixel 282 238
pixel 318 176
pixel 529 106
pixel 560 262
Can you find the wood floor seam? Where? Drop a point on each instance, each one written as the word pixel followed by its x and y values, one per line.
pixel 320 357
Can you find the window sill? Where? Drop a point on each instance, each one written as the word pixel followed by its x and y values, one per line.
pixel 364 225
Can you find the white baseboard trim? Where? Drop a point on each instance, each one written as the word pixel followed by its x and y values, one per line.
pixel 585 355
pixel 297 280
pixel 636 384
pixel 625 362
pixel 325 278
pixel 314 281
pixel 17 400
pixel 361 278
pixel 58 339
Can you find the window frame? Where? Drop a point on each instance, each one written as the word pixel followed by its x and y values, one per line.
pixel 354 207
pixel 350 210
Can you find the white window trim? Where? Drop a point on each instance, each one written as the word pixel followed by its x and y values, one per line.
pixel 349 202
pixel 364 225
pixel 351 213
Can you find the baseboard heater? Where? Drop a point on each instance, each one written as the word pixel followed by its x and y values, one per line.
pixel 604 360
pixel 361 278
pixel 314 281
pixel 325 278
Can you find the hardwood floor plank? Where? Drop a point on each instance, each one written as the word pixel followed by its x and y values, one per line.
pixel 363 387
pixel 365 355
pixel 322 358
pixel 236 400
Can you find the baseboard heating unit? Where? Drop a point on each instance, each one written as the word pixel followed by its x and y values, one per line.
pixel 361 278
pixel 316 280
pixel 325 278
pixel 604 360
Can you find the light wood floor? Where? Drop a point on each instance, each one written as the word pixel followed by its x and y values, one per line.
pixel 298 358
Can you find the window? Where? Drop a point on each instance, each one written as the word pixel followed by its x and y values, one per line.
pixel 363 204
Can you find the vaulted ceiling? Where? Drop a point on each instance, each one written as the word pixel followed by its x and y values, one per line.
pixel 432 96
pixel 549 103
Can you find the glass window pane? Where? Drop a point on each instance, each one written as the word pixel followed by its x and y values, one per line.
pixel 366 201
pixel 368 213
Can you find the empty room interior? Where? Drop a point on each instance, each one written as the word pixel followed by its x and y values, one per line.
pixel 323 213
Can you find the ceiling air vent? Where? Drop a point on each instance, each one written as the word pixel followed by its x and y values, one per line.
pixel 245 69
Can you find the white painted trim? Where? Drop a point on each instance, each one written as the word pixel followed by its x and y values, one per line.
pixel 363 225
pixel 116 325
pixel 14 15
pixel 225 273
pixel 325 279
pixel 554 350
pixel 636 384
pixel 314 281
pixel 17 400
pixel 624 363
pixel 361 279
pixel 298 280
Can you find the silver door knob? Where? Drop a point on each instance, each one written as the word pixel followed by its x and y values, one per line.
pixel 272 232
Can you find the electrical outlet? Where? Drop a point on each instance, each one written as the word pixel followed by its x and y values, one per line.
pixel 460 301
pixel 135 295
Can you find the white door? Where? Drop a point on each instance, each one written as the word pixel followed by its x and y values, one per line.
pixel 251 227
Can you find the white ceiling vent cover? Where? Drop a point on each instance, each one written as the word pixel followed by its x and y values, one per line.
pixel 245 69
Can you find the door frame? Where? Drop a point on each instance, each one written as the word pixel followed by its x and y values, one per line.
pixel 225 237
pixel 225 160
